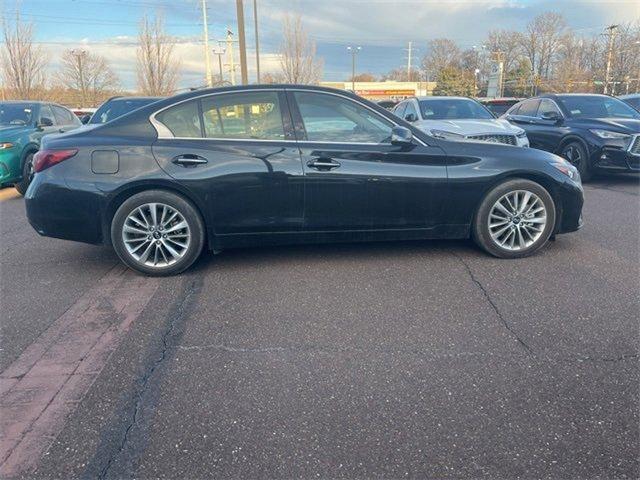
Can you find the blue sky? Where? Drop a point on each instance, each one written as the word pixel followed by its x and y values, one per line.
pixel 381 27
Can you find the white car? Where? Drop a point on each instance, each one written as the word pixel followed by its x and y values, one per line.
pixel 459 119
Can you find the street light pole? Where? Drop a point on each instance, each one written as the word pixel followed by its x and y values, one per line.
pixel 353 51
pixel 242 44
pixel 255 24
pixel 207 57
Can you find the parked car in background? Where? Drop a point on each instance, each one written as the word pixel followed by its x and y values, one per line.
pixel 258 165
pixel 388 104
pixel 499 106
pixel 116 107
pixel 593 132
pixel 459 119
pixel 22 126
pixel 632 99
pixel 83 112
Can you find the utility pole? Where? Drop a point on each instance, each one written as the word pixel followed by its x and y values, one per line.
pixel 80 55
pixel 354 51
pixel 612 30
pixel 232 66
pixel 207 56
pixel 219 52
pixel 242 44
pixel 255 25
pixel 409 62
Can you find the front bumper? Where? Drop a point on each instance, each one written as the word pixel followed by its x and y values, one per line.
pixel 571 201
pixel 10 166
pixel 616 159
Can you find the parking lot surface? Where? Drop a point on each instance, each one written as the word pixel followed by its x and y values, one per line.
pixel 416 359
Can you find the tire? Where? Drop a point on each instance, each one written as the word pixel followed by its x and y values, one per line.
pixel 165 246
pixel 576 153
pixel 27 174
pixel 529 225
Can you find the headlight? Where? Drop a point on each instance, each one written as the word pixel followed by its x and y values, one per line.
pixel 568 169
pixel 447 135
pixel 5 145
pixel 609 134
pixel 521 134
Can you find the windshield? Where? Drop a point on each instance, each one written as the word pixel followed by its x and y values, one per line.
pixel 453 109
pixel 17 113
pixel 116 108
pixel 587 106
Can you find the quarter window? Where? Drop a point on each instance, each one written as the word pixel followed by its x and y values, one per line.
pixel 252 115
pixel 529 108
pixel 183 120
pixel 331 118
pixel 46 112
pixel 63 116
pixel 547 106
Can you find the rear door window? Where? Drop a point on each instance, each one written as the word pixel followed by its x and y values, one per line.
pixel 247 115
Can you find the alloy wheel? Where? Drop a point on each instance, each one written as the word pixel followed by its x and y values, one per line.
pixel 517 220
pixel 573 154
pixel 156 235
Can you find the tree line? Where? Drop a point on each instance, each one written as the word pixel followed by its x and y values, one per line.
pixel 547 56
pixel 84 78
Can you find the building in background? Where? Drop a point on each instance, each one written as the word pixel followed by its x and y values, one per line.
pixel 388 90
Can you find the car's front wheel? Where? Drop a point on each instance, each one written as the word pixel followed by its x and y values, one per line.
pixel 27 174
pixel 157 233
pixel 515 219
pixel 576 153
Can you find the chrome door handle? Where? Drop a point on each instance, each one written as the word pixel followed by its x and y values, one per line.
pixel 323 164
pixel 189 160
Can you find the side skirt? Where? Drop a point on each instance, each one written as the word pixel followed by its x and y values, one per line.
pixel 221 242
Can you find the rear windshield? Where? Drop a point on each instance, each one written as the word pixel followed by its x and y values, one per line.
pixel 17 113
pixel 116 108
pixel 453 109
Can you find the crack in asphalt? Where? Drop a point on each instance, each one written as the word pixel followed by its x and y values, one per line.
pixel 495 308
pixel 179 314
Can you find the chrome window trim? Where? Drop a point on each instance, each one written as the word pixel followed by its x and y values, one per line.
pixel 165 134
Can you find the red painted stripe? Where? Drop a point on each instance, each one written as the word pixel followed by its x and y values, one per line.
pixel 42 387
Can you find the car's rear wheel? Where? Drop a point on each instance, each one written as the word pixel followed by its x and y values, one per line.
pixel 515 219
pixel 157 233
pixel 27 174
pixel 576 154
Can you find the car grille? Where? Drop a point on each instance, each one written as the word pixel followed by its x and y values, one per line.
pixel 634 148
pixel 495 138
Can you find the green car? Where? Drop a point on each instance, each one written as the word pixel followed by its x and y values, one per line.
pixel 22 126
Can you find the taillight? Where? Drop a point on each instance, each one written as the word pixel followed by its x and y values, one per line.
pixel 48 158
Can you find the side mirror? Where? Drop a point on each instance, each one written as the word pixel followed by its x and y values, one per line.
pixel 401 136
pixel 410 117
pixel 85 119
pixel 45 122
pixel 551 116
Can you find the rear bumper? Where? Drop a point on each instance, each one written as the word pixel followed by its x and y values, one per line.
pixel 54 210
pixel 615 159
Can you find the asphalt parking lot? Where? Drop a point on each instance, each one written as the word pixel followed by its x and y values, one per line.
pixel 416 359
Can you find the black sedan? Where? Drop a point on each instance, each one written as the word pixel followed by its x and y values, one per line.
pixel 258 165
pixel 593 132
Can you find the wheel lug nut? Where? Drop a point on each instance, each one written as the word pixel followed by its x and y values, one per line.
pixel 164 235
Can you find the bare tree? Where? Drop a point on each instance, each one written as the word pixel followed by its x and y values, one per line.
pixel 23 62
pixel 442 53
pixel 364 77
pixel 542 40
pixel 87 73
pixel 506 44
pixel 298 53
pixel 157 67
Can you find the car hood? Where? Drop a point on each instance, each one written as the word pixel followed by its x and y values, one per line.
pixel 622 125
pixel 469 127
